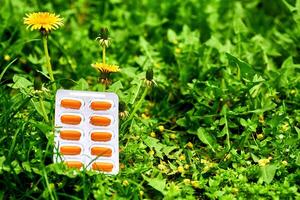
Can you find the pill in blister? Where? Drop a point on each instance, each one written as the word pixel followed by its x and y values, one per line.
pixel 70 150
pixel 101 136
pixel 87 130
pixel 100 105
pixel 70 103
pixel 70 134
pixel 102 166
pixel 74 164
pixel 70 119
pixel 101 151
pixel 100 120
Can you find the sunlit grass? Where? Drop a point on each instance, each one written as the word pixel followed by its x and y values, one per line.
pixel 209 98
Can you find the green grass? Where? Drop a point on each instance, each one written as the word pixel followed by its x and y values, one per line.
pixel 227 96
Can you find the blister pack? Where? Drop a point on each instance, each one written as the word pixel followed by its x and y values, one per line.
pixel 87 130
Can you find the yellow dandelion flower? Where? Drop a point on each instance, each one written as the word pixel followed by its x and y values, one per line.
pixel 162 167
pixel 180 169
pixel 182 157
pixel 125 183
pixel 284 163
pixel 190 145
pixel 43 21
pixel 151 152
pixel 261 119
pixel 173 136
pixel 144 116
pixel 153 134
pixel 195 184
pixel 161 128
pixel 186 181
pixel 186 166
pixel 177 50
pixel 263 162
pixel 106 68
pixel 7 57
pixel 260 136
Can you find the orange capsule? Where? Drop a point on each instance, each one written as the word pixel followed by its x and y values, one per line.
pixel 100 121
pixel 101 151
pixel 102 166
pixel 70 150
pixel 101 136
pixel 74 164
pixel 70 134
pixel 70 103
pixel 70 119
pixel 100 105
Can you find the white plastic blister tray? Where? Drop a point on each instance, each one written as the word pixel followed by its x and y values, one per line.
pixel 87 130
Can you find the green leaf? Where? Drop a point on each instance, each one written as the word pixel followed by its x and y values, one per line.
pixel 21 82
pixel 254 91
pixel 154 143
pixel 26 166
pixel 267 173
pixel 115 87
pixel 214 43
pixel 2 159
pixel 157 183
pixel 181 122
pixel 16 167
pixel 298 132
pixel 151 142
pixel 239 26
pixel 167 149
pixel 172 37
pixel 45 128
pixel 246 70
pixel 289 6
pixel 243 122
pixel 206 138
pixel 298 159
pixel 133 92
pixel 81 85
pixel 286 72
pixel 39 109
pixel 254 157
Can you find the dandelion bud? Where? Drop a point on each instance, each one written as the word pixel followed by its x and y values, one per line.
pixel 149 77
pixel 103 38
pixel 37 83
pixel 149 74
pixel 122 109
pixel 104 33
pixel 122 106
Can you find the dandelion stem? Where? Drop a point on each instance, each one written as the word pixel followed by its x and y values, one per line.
pixel 48 63
pixel 227 131
pixel 138 105
pixel 43 109
pixel 103 54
